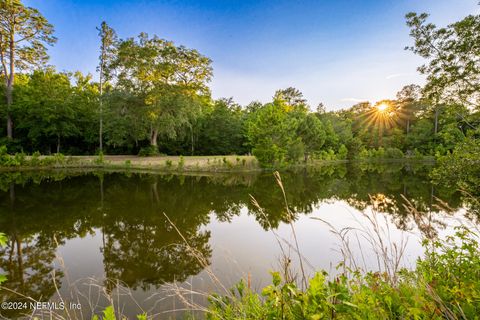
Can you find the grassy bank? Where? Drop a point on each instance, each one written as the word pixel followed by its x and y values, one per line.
pixel 156 163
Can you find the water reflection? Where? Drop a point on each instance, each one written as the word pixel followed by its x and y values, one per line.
pixel 40 211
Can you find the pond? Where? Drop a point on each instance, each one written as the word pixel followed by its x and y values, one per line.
pixel 138 237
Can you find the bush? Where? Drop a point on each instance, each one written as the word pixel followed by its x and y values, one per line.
pixel 461 168
pixel 342 152
pixel 35 159
pixel 327 155
pixel 99 159
pixel 4 156
pixel 393 153
pixel 181 163
pixel 148 151
pixel 20 158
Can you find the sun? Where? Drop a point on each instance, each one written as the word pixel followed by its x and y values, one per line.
pixel 382 107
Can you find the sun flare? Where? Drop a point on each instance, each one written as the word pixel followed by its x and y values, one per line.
pixel 382 107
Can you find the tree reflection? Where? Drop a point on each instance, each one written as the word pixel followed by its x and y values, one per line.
pixel 41 210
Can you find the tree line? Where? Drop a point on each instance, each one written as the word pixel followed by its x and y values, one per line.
pixel 152 97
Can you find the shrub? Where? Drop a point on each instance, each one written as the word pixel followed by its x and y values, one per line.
pixel 20 158
pixel 35 159
pixel 393 153
pixel 148 151
pixel 181 163
pixel 342 152
pixel 5 158
pixel 99 159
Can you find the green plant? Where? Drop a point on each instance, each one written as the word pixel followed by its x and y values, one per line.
pixel 35 159
pixel 342 152
pixel 3 243
pixel 168 163
pixel 181 163
pixel 20 158
pixel 59 158
pixel 100 159
pixel 227 163
pixel 393 153
pixel 108 314
pixel 148 151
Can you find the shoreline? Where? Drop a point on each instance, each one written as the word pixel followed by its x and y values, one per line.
pixel 183 164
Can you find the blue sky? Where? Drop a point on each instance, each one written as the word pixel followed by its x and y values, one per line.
pixel 335 51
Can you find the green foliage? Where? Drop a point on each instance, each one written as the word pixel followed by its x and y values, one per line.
pixel 3 243
pixel 393 153
pixel 310 131
pixel 445 284
pixel 453 74
pixel 221 130
pixel 342 152
pixel 181 163
pixel 148 151
pixel 100 159
pixel 271 133
pixel 460 169
pixel 108 314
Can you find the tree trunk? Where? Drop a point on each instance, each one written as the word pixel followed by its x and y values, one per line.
pixel 305 156
pixel 408 126
pixel 9 95
pixel 58 144
pixel 436 119
pixel 153 137
pixel 100 130
pixel 193 149
pixel 10 82
pixel 100 133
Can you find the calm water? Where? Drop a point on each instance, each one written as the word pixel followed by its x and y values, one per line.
pixel 86 233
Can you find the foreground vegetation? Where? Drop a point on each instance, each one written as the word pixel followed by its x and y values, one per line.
pixel 444 285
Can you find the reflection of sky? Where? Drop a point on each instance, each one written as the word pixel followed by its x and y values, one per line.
pixel 337 52
pixel 243 247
